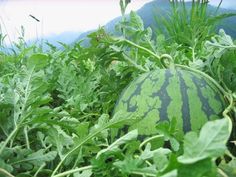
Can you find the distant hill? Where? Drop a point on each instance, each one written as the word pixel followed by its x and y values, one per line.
pixel 66 37
pixel 162 8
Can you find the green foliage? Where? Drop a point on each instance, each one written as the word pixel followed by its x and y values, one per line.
pixel 222 59
pixel 56 106
pixel 211 142
pixel 189 25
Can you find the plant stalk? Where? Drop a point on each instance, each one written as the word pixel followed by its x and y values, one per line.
pixel 8 139
pixel 73 171
pixel 6 173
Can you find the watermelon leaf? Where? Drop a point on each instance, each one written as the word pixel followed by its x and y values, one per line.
pixel 5 166
pixel 171 168
pixel 228 70
pixel 148 153
pixel 124 139
pixel 210 143
pixel 205 168
pixel 169 130
pixel 38 61
pixel 134 166
pixel 85 173
pixel 38 158
pixel 160 160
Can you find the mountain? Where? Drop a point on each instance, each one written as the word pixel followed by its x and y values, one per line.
pixel 66 37
pixel 160 8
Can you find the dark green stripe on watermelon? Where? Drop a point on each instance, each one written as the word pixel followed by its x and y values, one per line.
pixel 164 97
pixel 205 104
pixel 185 104
pixel 163 94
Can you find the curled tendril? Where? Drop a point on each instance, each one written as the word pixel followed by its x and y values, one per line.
pixel 166 60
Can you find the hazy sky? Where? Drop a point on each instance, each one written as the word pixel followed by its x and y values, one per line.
pixel 57 16
pixel 228 3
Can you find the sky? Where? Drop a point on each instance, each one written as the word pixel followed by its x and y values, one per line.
pixel 57 16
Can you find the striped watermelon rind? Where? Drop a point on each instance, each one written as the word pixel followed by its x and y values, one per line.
pixel 167 93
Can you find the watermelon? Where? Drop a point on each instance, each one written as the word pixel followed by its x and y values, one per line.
pixel 165 94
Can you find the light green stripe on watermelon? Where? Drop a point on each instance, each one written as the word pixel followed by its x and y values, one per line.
pixel 175 105
pixel 128 102
pixel 213 99
pixel 147 126
pixel 198 116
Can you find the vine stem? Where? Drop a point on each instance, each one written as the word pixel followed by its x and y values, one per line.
pixel 39 169
pixel 221 173
pixel 150 139
pixel 8 139
pixel 143 174
pixel 134 63
pixel 73 171
pixel 142 48
pixel 159 58
pixel 73 150
pixel 229 108
pixel 26 137
pixel 2 171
